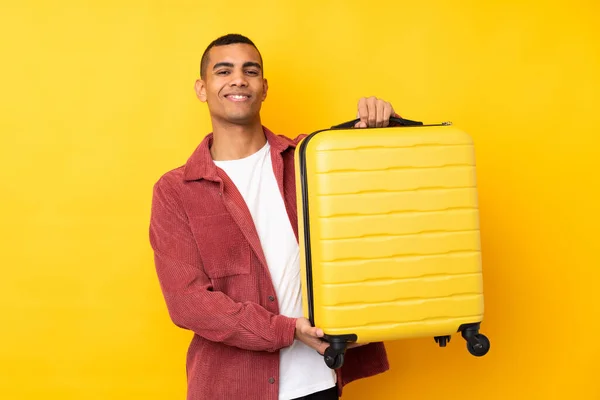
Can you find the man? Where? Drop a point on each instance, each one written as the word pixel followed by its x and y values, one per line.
pixel 225 237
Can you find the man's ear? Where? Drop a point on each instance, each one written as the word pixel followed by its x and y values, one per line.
pixel 265 89
pixel 200 89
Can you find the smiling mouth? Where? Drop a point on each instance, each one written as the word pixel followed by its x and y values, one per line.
pixel 237 97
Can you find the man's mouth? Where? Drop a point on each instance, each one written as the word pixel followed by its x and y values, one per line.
pixel 237 97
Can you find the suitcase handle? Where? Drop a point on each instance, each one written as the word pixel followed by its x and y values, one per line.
pixel 394 121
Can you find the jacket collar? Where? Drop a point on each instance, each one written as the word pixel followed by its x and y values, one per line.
pixel 200 164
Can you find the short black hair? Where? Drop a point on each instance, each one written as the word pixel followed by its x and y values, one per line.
pixel 230 38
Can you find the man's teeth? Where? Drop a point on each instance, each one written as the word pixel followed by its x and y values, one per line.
pixel 238 97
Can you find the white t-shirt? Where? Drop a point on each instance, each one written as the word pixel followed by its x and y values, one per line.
pixel 302 369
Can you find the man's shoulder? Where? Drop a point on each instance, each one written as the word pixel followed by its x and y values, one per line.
pixel 289 140
pixel 171 178
pixel 176 176
pixel 299 138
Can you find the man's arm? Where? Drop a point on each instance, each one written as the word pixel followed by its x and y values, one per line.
pixel 188 293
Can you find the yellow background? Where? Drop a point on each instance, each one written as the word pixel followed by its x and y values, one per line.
pixel 97 102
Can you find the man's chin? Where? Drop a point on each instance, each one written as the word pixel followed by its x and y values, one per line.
pixel 242 120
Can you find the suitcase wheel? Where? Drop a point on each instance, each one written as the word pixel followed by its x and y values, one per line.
pixel 333 360
pixel 478 345
pixel 334 354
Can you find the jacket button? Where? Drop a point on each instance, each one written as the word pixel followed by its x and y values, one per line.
pixel 271 380
pixel 271 298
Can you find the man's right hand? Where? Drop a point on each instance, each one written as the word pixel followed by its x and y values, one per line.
pixel 310 335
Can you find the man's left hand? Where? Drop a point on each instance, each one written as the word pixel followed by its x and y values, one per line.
pixel 374 112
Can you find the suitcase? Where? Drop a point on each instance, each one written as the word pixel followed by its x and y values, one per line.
pixel 389 235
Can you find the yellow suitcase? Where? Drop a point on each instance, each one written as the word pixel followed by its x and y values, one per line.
pixel 389 235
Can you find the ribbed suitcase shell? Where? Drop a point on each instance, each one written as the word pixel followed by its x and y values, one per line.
pixel 391 218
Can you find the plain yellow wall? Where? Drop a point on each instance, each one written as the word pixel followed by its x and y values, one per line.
pixel 96 103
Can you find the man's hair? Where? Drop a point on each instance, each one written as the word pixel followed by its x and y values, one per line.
pixel 231 38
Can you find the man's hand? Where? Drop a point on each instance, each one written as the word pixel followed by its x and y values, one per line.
pixel 310 335
pixel 374 112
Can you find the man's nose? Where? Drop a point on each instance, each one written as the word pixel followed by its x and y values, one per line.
pixel 238 79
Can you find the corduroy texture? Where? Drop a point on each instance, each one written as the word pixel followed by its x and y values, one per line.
pixel 216 283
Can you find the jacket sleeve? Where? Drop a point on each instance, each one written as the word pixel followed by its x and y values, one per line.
pixel 364 362
pixel 187 290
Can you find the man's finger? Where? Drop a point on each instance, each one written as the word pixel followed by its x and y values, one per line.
pixel 380 108
pixel 322 348
pixel 372 111
pixel 387 112
pixel 363 111
pixel 314 332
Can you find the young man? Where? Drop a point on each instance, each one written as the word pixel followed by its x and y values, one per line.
pixel 225 237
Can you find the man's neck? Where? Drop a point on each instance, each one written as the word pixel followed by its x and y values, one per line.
pixel 233 142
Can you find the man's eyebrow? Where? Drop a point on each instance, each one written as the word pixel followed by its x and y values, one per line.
pixel 222 64
pixel 230 65
pixel 252 64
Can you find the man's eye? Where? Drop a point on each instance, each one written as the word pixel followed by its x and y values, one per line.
pixel 252 72
pixel 222 72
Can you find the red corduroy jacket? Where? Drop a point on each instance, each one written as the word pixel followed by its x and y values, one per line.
pixel 216 283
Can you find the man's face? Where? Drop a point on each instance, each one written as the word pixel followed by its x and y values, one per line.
pixel 233 86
